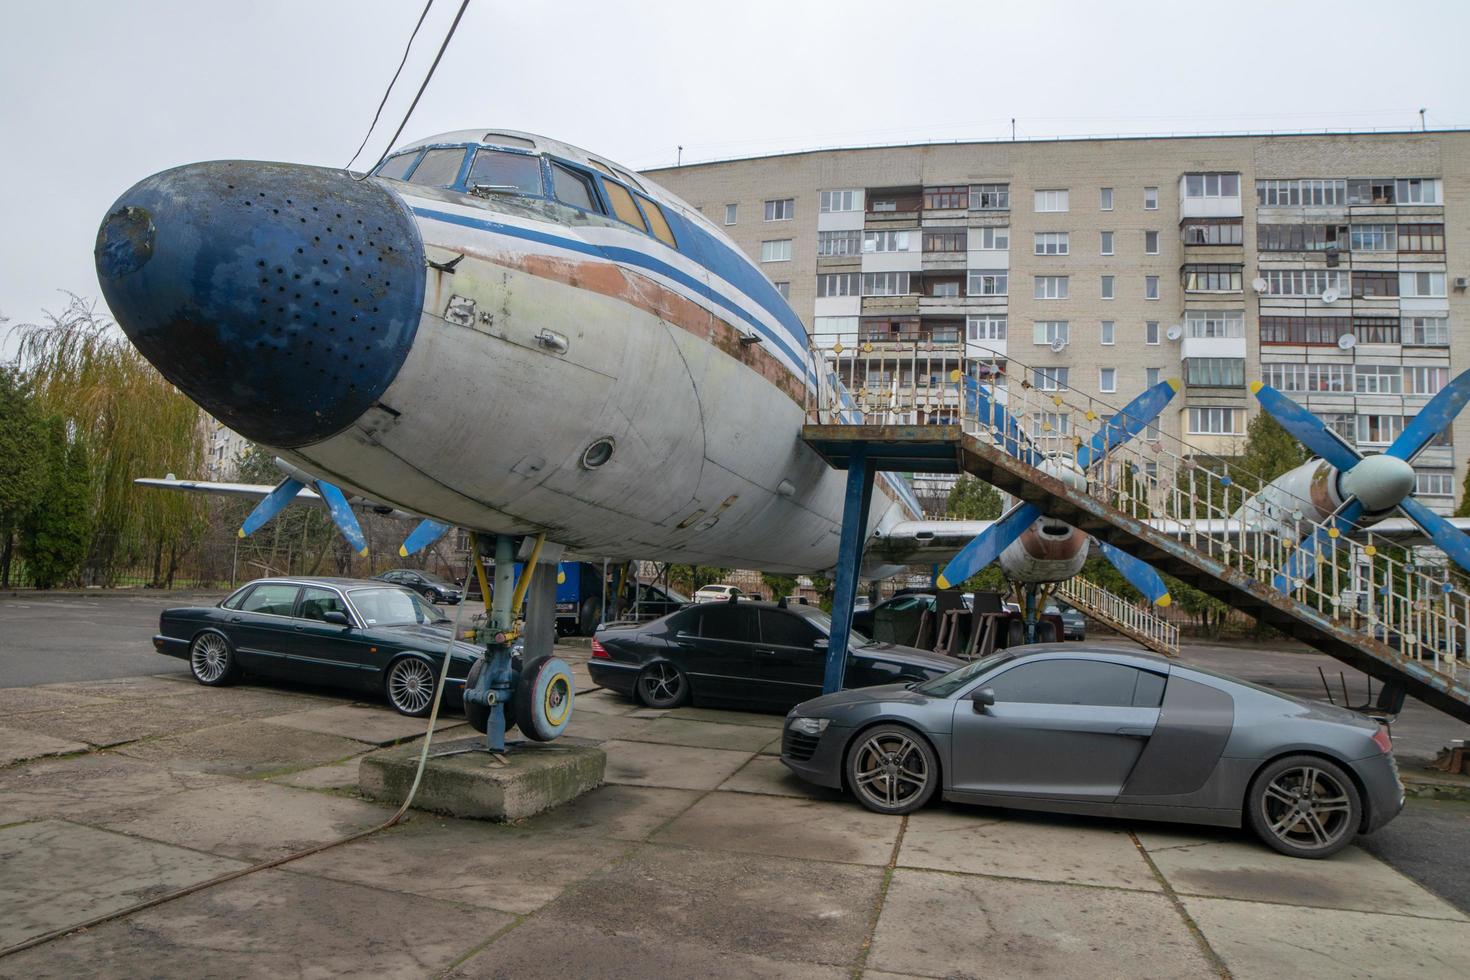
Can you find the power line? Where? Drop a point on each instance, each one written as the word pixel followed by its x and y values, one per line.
pixel 389 90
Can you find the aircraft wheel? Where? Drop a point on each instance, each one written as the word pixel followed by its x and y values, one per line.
pixel 477 714
pixel 1046 632
pixel 544 698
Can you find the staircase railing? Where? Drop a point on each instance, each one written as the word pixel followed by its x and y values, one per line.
pixel 1126 616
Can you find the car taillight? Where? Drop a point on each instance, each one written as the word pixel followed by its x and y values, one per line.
pixel 598 651
pixel 1383 741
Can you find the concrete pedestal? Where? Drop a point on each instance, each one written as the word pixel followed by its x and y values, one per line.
pixel 535 776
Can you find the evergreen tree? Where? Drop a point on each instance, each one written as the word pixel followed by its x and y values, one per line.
pixel 55 534
pixel 975 500
pixel 23 461
pixel 780 586
pixel 1269 452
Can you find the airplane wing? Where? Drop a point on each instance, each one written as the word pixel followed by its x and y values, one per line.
pixel 259 491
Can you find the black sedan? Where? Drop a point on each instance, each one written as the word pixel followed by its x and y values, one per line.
pixel 435 588
pixel 743 654
pixel 356 633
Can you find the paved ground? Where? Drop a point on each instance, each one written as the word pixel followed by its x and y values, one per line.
pixel 78 637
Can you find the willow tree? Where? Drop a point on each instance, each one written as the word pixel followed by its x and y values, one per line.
pixel 84 370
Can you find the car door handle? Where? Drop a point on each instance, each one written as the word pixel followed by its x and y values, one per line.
pixel 766 652
pixel 1136 732
pixel 236 619
pixel 301 629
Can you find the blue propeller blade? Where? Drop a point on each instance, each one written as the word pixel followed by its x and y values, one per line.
pixel 1132 419
pixel 987 546
pixel 1442 534
pixel 421 537
pixel 1432 419
pixel 1138 573
pixel 275 502
pixel 1302 564
pixel 342 516
pixel 981 402
pixel 1306 427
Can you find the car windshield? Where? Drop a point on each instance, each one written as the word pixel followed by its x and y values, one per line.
pixel 394 607
pixel 434 579
pixel 823 622
pixel 946 684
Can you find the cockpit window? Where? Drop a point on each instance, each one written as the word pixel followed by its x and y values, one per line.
pixel 505 139
pixel 628 178
pixel 603 167
pixel 512 173
pixel 439 168
pixel 573 188
pixel 397 167
pixel 622 205
pixel 657 222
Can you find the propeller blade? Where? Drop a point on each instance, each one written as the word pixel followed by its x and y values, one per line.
pixel 981 402
pixel 1442 534
pixel 1306 427
pixel 1131 419
pixel 275 502
pixel 1432 419
pixel 421 537
pixel 1301 565
pixel 987 546
pixel 1139 574
pixel 342 516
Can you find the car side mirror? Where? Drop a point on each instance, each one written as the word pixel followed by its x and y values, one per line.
pixel 821 644
pixel 336 619
pixel 982 698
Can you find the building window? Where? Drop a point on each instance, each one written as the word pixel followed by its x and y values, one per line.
pixel 776 251
pixel 1228 324
pixel 1150 287
pixel 1376 285
pixel 1151 332
pixel 1300 238
pixel 1051 243
pixel 1107 379
pixel 1416 190
pixel 782 210
pixel 784 288
pixel 839 243
pixel 979 328
pixel 1212 185
pixel 1370 192
pixel 732 211
pixel 1105 333
pixel 1434 483
pixel 1212 231
pixel 990 197
pixel 1107 287
pixel 825 326
pixel 883 205
pixel 886 241
pixel 1426 331
pixel 837 284
pixel 941 198
pixel 1151 243
pixel 884 329
pixel 1420 284
pixel 1379 430
pixel 1106 194
pixel 985 282
pixel 1049 379
pixel 1373 238
pixel 1051 287
pixel 1215 372
pixel 1051 200
pixel 1425 380
pixel 1107 243
pixel 1051 423
pixel 1308 331
pixel 943 286
pixel 843 200
pixel 1215 421
pixel 1151 378
pixel 991 239
pixel 1297 377
pixel 885 283
pixel 1045 332
pixel 1301 193
pixel 1211 278
pixel 1150 198
pixel 1376 329
pixel 1421 238
pixel 1304 282
pixel 945 240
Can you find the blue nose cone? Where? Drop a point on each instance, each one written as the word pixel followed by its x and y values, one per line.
pixel 283 299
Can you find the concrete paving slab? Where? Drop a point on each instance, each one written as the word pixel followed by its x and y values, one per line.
pixel 81 786
pixel 1248 870
pixel 783 827
pixel 1258 940
pixel 773 747
pixel 765 774
pixel 132 688
pixel 1013 844
pixel 246 748
pixel 337 775
pixel 602 703
pixel 468 861
pixel 543 947
pixel 55 874
pixel 708 735
pixel 1158 836
pixel 18 746
pixel 802 911
pixel 118 722
pixel 944 925
pixel 674 766
pixel 272 924
pixel 722 717
pixel 602 727
pixel 19 700
pixel 252 821
pixel 254 702
pixel 370 723
pixel 619 812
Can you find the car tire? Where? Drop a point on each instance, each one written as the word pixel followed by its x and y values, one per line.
pixel 891 769
pixel 661 685
pixel 1046 632
pixel 1304 806
pixel 212 659
pixel 409 684
pixel 478 715
pixel 544 698
pixel 588 615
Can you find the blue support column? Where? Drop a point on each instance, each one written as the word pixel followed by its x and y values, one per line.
pixel 849 562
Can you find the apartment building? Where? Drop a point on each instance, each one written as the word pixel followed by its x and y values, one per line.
pixel 1331 266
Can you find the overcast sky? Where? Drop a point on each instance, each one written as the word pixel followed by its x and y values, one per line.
pixel 96 95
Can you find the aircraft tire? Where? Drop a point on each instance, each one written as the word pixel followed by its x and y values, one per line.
pixel 544 698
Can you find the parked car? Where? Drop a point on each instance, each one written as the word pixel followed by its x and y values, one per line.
pixel 1074 624
pixel 747 654
pixel 655 601
pixel 361 634
pixel 435 588
pixel 1105 733
pixel 862 619
pixel 716 593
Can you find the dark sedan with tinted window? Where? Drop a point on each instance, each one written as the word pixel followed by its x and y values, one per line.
pixel 743 654
pixel 435 588
pixel 361 634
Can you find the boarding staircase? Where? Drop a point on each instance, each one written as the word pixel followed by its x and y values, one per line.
pixel 1162 500
pixel 1125 616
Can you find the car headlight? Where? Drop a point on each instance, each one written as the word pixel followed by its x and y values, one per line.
pixel 810 726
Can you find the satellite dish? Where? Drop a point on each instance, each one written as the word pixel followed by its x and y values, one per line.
pixel 1260 285
pixel 1331 295
pixel 1347 342
pixel 1174 332
pixel 1058 345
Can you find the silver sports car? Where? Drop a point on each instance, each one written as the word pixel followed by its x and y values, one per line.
pixel 1092 731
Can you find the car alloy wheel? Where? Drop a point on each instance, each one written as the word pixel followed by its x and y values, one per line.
pixel 411 686
pixel 892 770
pixel 1305 807
pixel 662 685
pixel 211 660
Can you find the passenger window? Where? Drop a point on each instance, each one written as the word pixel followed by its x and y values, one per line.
pixel 1067 682
pixel 573 188
pixel 1150 690
pixel 727 621
pixel 397 167
pixel 439 168
pixel 623 206
pixel 316 603
pixel 233 602
pixel 513 173
pixel 657 222
pixel 271 599
pixel 785 629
